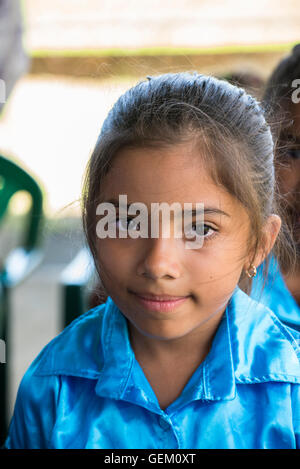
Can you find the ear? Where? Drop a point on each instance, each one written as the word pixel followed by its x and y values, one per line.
pixel 271 230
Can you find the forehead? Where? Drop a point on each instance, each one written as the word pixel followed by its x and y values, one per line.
pixel 171 174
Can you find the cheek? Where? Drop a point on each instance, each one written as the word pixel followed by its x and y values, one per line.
pixel 218 266
pixel 115 262
pixel 213 283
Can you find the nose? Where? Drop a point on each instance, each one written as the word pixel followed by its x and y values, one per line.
pixel 160 260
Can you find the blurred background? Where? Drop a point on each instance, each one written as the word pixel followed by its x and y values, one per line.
pixel 77 57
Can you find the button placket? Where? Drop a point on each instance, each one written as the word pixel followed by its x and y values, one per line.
pixel 168 436
pixel 163 423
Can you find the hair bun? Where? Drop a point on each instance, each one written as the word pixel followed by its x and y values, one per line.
pixel 296 50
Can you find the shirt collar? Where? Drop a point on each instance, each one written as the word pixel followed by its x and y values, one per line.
pixel 263 349
pixel 122 377
pixel 276 295
pixel 251 346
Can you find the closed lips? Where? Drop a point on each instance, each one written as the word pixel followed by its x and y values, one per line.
pixel 160 298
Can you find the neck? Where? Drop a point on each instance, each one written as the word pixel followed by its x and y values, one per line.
pixel 190 348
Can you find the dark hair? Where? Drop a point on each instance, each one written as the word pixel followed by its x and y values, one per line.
pixel 276 100
pixel 278 88
pixel 222 118
pixel 277 97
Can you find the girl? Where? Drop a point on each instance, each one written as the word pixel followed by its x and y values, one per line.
pixel 178 356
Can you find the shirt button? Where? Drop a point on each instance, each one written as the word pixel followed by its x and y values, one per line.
pixel 163 423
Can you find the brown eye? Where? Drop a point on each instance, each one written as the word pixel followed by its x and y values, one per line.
pixel 125 224
pixel 200 230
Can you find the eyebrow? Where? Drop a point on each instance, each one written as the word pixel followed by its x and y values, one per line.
pixel 207 210
pixel 193 212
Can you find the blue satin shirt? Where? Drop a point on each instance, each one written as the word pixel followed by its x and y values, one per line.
pixel 276 295
pixel 87 390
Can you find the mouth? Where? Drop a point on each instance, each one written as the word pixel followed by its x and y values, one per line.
pixel 161 303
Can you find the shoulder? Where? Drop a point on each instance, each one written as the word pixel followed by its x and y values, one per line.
pixel 263 348
pixel 76 351
pixel 274 293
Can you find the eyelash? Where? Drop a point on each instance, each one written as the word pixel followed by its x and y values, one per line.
pixel 124 219
pixel 206 237
pixel 211 236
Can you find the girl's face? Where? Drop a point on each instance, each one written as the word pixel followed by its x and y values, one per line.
pixel 164 289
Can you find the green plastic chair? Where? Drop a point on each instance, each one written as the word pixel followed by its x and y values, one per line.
pixel 78 283
pixel 18 264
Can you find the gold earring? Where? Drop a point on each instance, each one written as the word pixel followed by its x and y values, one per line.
pixel 251 272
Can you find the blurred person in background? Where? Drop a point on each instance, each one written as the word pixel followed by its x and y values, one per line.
pixel 250 81
pixel 281 100
pixel 14 61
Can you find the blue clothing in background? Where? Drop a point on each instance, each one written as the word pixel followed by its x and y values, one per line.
pixel 276 295
pixel 87 390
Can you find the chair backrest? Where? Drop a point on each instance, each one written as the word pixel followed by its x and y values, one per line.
pixel 77 281
pixel 19 263
pixel 14 179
